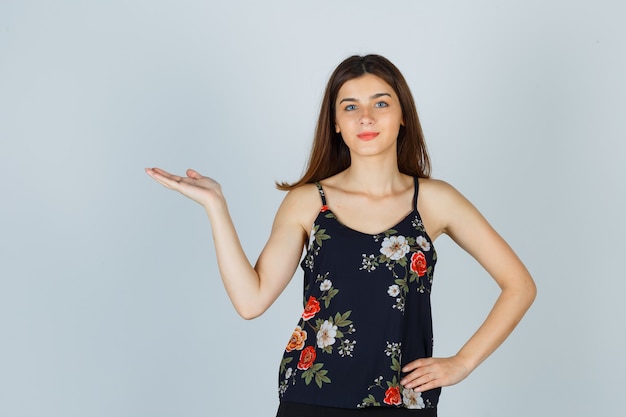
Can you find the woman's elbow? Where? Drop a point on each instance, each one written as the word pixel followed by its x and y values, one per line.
pixel 248 312
pixel 532 291
pixel 528 291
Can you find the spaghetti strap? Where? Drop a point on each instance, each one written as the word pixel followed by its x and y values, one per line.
pixel 417 187
pixel 319 188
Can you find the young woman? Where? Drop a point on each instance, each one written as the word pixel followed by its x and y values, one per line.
pixel 367 214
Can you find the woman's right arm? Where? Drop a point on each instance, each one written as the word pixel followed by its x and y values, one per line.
pixel 252 289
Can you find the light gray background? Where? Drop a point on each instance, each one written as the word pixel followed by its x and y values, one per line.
pixel 110 300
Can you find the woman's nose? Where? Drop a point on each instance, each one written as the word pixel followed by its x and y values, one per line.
pixel 366 117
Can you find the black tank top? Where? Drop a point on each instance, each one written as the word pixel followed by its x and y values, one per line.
pixel 366 314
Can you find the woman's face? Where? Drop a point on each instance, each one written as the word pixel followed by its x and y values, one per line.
pixel 368 116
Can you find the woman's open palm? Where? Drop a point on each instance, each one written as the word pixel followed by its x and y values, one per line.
pixel 194 186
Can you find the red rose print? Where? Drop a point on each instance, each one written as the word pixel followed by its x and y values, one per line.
pixel 324 208
pixel 418 264
pixel 312 307
pixel 307 357
pixel 392 396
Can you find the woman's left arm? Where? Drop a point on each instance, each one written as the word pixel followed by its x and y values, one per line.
pixel 455 216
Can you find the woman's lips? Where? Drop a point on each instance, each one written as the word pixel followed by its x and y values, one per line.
pixel 367 135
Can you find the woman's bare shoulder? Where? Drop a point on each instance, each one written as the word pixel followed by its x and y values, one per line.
pixel 439 203
pixel 301 205
pixel 436 190
pixel 306 194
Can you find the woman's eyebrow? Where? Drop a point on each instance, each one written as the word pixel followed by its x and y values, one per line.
pixel 375 96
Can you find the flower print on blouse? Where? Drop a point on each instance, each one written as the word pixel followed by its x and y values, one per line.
pixel 406 260
pixel 379 284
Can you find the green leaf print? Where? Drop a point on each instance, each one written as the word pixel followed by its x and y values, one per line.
pixel 316 372
pixel 370 401
pixel 320 377
pixel 402 284
pixel 393 382
pixel 284 363
pixel 395 365
pixel 320 235
pixel 341 320
pixel 328 296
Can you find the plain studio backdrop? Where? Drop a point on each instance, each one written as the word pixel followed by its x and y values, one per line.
pixel 110 299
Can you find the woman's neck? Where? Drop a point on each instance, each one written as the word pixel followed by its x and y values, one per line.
pixel 373 177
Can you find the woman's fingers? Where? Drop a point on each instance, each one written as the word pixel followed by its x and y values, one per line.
pixel 193 174
pixel 158 172
pixel 194 186
pixel 164 178
pixel 165 174
pixel 417 373
pixel 428 373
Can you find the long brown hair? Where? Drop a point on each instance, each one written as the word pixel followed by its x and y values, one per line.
pixel 330 155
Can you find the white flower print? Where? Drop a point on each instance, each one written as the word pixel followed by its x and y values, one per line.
pixel 282 388
pixel 308 261
pixel 288 373
pixel 368 263
pixel 326 334
pixel 311 237
pixel 347 347
pixel 326 285
pixel 394 349
pixel 395 247
pixel 393 290
pixel 412 399
pixel 423 243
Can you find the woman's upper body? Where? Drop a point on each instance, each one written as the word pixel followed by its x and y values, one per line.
pixel 367 310
pixel 370 128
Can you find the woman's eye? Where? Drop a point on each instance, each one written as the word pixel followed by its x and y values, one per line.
pixel 350 107
pixel 381 104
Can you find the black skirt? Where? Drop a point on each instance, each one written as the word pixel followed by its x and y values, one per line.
pixel 287 409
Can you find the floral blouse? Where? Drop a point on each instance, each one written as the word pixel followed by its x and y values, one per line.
pixel 366 314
